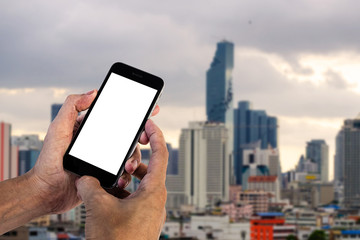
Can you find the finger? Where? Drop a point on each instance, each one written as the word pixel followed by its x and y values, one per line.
pixel 88 187
pixel 159 157
pixel 71 108
pixel 79 119
pixel 118 192
pixel 140 171
pixel 143 138
pixel 124 180
pixel 134 161
pixel 155 111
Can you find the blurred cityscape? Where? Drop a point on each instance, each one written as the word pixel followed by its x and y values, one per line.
pixel 225 180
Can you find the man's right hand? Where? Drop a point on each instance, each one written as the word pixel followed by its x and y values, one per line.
pixel 141 215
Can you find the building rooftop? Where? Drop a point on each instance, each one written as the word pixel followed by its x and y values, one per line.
pixel 350 232
pixel 262 179
pixel 270 214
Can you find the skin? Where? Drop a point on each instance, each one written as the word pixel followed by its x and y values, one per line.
pixel 47 188
pixel 116 218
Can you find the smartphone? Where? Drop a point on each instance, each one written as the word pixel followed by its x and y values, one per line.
pixel 113 124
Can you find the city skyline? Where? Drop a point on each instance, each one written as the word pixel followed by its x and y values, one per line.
pixel 304 72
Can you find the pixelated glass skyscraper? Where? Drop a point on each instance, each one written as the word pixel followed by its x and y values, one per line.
pixel 219 95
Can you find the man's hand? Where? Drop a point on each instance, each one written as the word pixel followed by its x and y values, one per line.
pixel 56 186
pixel 141 215
pixel 47 188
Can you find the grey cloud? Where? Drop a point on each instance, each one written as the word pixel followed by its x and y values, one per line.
pixel 67 44
pixel 293 61
pixel 336 80
pixel 270 90
pixel 285 27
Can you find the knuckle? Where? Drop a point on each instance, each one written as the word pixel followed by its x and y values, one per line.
pixel 100 198
pixel 70 98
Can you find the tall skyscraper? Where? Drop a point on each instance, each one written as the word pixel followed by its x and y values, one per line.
pixel 339 167
pixel 251 126
pixel 203 169
pixel 55 108
pixel 8 153
pixel 351 154
pixel 318 152
pixel 219 92
pixel 339 158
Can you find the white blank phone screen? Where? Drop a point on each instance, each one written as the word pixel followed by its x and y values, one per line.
pixel 111 127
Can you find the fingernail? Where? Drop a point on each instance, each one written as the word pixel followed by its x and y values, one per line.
pixel 122 183
pixel 90 92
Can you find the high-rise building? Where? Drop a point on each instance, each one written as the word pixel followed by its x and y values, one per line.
pixel 27 141
pixel 251 126
pixel 306 166
pixel 172 168
pixel 274 165
pixel 8 153
pixel 27 160
pixel 55 108
pixel 260 163
pixel 29 150
pixel 351 154
pixel 339 158
pixel 203 169
pixel 219 93
pixel 318 152
pixel 339 167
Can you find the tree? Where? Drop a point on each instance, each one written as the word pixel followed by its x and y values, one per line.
pixel 317 235
pixel 291 237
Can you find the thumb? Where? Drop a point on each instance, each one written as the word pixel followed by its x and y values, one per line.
pixel 88 187
pixel 71 108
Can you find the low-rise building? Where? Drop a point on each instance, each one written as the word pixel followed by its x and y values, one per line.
pixel 265 183
pixel 208 227
pixel 347 234
pixel 311 194
pixel 258 199
pixel 302 218
pixel 238 211
pixel 234 195
pixel 269 226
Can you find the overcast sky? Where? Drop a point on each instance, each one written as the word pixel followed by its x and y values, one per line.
pixel 298 60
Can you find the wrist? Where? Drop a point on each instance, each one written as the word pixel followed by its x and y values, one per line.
pixel 20 202
pixel 38 189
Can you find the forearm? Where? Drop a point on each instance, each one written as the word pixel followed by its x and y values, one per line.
pixel 19 202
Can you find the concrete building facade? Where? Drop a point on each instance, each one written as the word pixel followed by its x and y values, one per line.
pixel 204 170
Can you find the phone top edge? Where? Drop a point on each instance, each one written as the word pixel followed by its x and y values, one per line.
pixel 137 74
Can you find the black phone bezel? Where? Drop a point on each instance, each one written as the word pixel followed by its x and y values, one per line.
pixel 79 166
